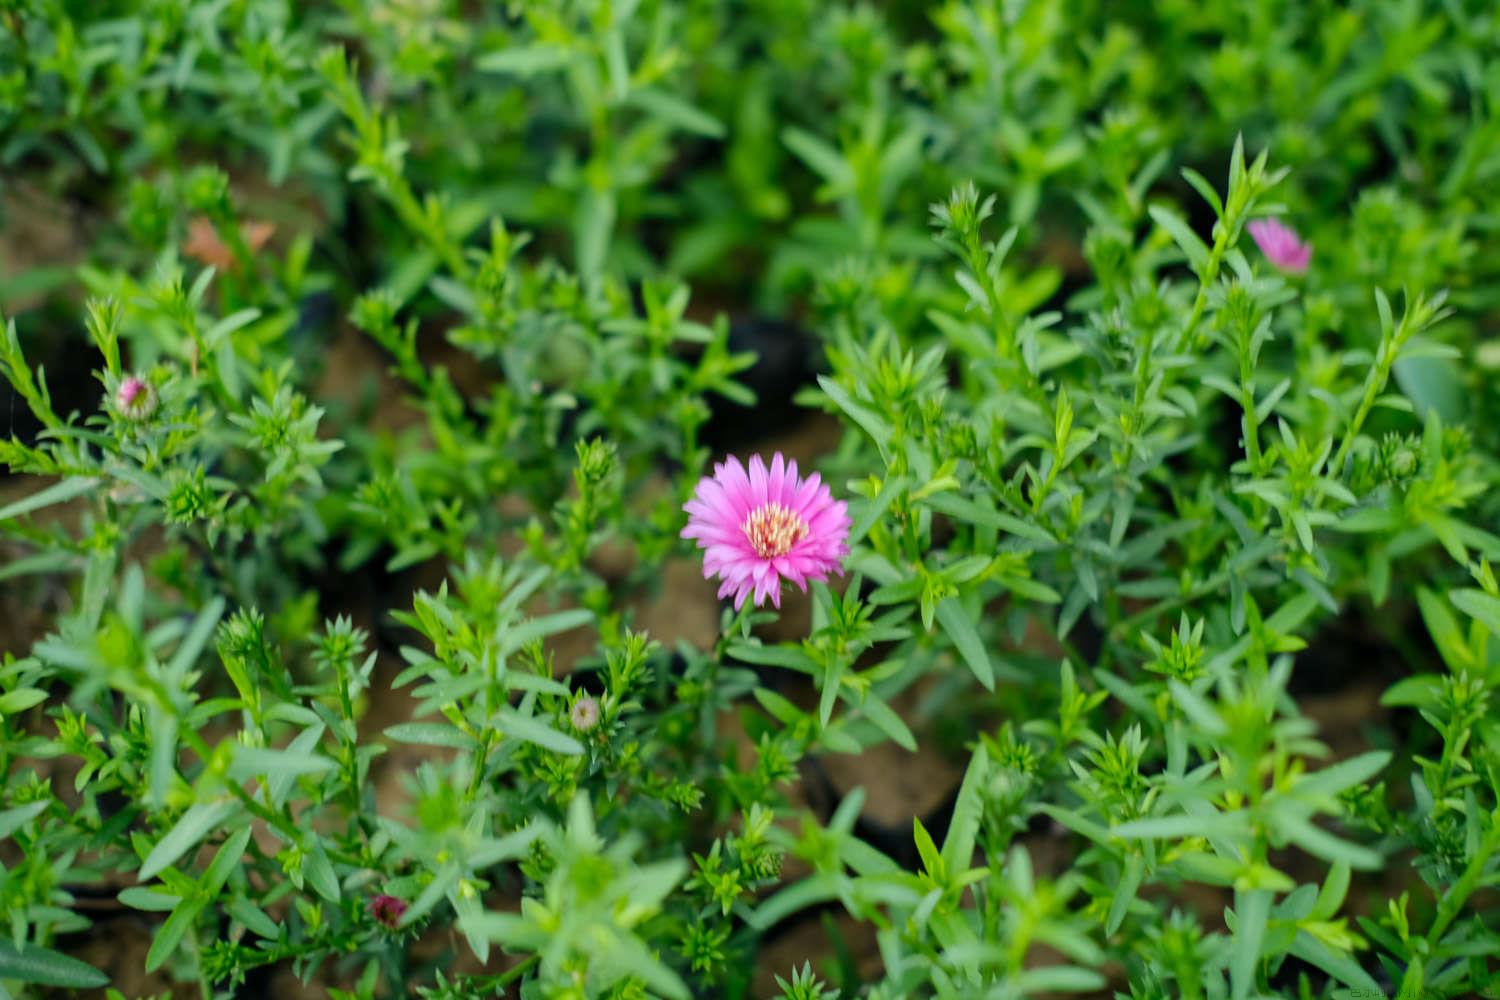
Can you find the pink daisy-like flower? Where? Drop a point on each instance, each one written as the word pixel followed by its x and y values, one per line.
pixel 763 526
pixel 1281 244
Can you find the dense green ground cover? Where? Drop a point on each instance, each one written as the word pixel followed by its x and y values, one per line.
pixel 1128 494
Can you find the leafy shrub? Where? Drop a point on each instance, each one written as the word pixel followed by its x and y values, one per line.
pixel 373 390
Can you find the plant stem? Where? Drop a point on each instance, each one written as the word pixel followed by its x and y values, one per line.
pixel 1453 900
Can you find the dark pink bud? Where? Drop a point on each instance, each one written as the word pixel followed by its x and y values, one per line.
pixel 387 910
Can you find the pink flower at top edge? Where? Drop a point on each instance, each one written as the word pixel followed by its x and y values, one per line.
pixel 761 526
pixel 1281 244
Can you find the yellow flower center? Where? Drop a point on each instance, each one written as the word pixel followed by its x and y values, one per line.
pixel 773 530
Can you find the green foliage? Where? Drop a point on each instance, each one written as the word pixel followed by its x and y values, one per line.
pixel 351 430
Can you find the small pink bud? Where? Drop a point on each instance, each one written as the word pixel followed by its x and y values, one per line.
pixel 135 399
pixel 387 910
pixel 585 714
pixel 1281 245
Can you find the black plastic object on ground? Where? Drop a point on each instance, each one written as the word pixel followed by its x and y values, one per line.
pixel 782 366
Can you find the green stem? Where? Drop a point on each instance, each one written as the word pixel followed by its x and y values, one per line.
pixel 1206 281
pixel 511 975
pixel 1376 381
pixel 205 988
pixel 1454 899
pixel 1251 426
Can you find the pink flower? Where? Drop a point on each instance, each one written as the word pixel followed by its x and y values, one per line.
pixel 135 398
pixel 1281 244
pixel 761 527
pixel 387 910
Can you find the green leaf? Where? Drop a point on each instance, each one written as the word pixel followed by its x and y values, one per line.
pixel 1058 979
pixel 593 225
pixel 629 954
pixel 1204 188
pixel 1331 895
pixel 1187 241
pixel 1292 614
pixel 513 931
pixel 532 730
pixel 1443 627
pixel 1180 826
pixel 1322 844
pixel 432 734
pixel 675 111
pixel 819 155
pixel 955 621
pixel 254 919
pixel 38 563
pixel 251 762
pixel 512 639
pixel 1198 711
pixel 1383 307
pixel 812 890
pixel 1032 590
pixel 1345 774
pixel 788 656
pixel 777 707
pixel 231 855
pixel 191 827
pixel 1251 910
pixel 616 62
pixel 972 513
pixel 871 510
pixel 442 882
pixel 1417 691
pixel 230 323
pixel 968 810
pixel 1342 967
pixel 34 964
pixel 886 719
pixel 1432 384
pixel 279 783
pixel 1124 894
pixel 138 897
pixel 512 845
pixel 1479 606
pixel 318 871
pixel 62 492
pixel 170 933
pixel 896 593
pixel 869 421
pixel 832 681
pixel 527 60
pixel 19 700
pixel 203 627
pixel 932 861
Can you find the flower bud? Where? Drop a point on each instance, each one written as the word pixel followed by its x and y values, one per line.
pixel 387 910
pixel 585 714
pixel 135 399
